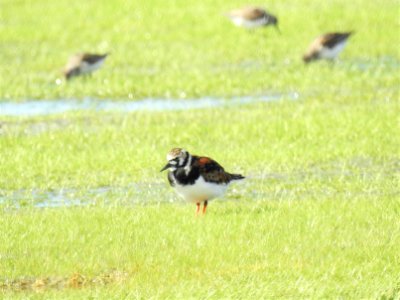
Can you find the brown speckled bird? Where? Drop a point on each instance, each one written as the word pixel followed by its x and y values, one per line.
pixel 252 17
pixel 83 63
pixel 327 46
pixel 197 179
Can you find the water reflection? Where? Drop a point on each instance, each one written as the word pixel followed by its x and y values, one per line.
pixel 47 107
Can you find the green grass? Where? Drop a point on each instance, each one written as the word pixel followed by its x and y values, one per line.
pixel 189 48
pixel 94 150
pixel 330 247
pixel 317 216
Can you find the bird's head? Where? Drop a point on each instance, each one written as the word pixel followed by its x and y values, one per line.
pixel 177 158
pixel 71 73
pixel 274 21
pixel 308 57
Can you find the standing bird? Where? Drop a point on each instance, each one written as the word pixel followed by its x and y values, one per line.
pixel 327 46
pixel 252 17
pixel 83 63
pixel 197 179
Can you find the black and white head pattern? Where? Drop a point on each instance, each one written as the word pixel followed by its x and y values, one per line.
pixel 179 158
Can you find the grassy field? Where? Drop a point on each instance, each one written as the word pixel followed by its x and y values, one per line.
pixel 189 48
pixel 317 216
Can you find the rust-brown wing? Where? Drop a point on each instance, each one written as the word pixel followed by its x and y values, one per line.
pixel 213 171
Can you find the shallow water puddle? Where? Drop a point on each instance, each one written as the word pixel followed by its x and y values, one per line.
pixel 386 62
pixel 45 107
pixel 138 193
pixel 297 185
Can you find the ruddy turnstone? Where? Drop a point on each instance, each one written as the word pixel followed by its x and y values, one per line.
pixel 197 179
pixel 327 46
pixel 83 63
pixel 252 17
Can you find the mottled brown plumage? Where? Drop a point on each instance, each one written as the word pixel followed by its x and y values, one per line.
pixel 249 13
pixel 252 17
pixel 330 40
pixel 83 63
pixel 197 178
pixel 212 171
pixel 326 46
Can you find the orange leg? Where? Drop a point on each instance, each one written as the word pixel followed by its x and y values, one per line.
pixel 198 208
pixel 205 207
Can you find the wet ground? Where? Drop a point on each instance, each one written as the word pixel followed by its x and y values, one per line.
pixel 316 181
pixel 47 107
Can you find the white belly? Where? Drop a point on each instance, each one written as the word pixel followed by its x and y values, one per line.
pixel 201 190
pixel 87 68
pixel 332 53
pixel 239 21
